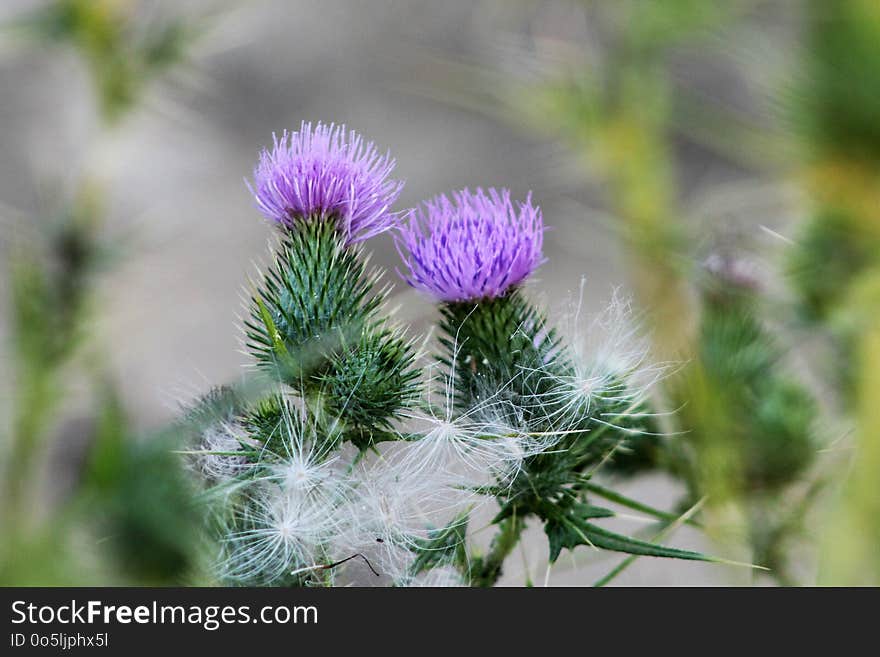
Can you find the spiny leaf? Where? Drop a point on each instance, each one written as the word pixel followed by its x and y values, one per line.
pixel 608 540
pixel 566 529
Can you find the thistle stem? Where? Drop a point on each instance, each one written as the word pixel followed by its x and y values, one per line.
pixel 486 571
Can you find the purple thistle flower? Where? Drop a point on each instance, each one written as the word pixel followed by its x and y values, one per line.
pixel 472 247
pixel 318 172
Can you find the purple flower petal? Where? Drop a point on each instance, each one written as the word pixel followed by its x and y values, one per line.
pixel 475 246
pixel 324 172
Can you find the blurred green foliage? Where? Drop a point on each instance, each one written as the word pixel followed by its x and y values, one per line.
pixel 749 426
pixel 836 263
pixel 123 53
pixel 142 500
pixel 838 99
pixel 769 415
pixel 49 304
pixel 128 518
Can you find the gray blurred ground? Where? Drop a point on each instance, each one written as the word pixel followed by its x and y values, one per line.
pixel 175 170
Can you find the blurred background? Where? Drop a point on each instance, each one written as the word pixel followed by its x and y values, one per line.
pixel 715 161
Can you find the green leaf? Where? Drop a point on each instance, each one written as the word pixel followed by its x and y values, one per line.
pixel 567 529
pixel 570 529
pixel 608 540
pixel 669 527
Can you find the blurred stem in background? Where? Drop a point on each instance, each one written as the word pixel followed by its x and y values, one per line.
pixel 835 109
pixel 835 263
pixel 852 544
pixel 746 426
pixel 123 51
pixel 618 117
pixel 128 517
pixel 50 296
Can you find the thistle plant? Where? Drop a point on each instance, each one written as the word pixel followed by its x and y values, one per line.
pixel 363 456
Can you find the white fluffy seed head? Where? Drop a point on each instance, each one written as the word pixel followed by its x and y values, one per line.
pixel 482 444
pixel 610 365
pixel 274 534
pixel 611 345
pixel 309 507
pixel 219 455
pixel 303 472
pixel 291 512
